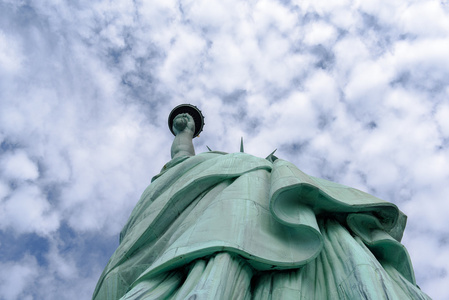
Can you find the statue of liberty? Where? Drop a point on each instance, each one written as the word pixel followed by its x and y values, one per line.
pixel 235 226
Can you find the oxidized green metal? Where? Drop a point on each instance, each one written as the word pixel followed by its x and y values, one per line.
pixel 235 226
pixel 193 111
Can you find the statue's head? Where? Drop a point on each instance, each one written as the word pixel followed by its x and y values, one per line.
pixel 180 117
pixel 183 121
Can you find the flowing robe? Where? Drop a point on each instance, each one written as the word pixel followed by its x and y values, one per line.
pixel 234 226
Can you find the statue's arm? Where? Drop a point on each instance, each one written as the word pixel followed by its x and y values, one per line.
pixel 184 128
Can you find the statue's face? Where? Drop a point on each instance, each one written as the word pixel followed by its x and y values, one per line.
pixel 183 121
pixel 180 122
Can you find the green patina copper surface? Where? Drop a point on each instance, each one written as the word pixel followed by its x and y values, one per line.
pixel 235 226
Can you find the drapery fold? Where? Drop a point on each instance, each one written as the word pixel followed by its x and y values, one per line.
pixel 293 193
pixel 267 213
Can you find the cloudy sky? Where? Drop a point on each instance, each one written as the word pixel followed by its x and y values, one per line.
pixel 352 91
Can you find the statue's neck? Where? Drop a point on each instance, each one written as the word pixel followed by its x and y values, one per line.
pixel 182 145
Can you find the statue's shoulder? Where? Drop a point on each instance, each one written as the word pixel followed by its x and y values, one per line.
pixel 188 162
pixel 213 161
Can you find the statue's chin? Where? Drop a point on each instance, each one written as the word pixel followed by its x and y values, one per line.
pixel 180 125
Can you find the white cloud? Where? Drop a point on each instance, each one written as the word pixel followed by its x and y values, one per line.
pixel 425 56
pixel 17 277
pixel 184 57
pixel 27 210
pixel 349 52
pixel 11 57
pixel 425 18
pixel 442 117
pixel 368 83
pixel 292 119
pixel 4 190
pixel 213 16
pixel 322 90
pixel 385 11
pixel 324 7
pixel 227 65
pixel 434 274
pixel 19 166
pixel 273 15
pixel 317 33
